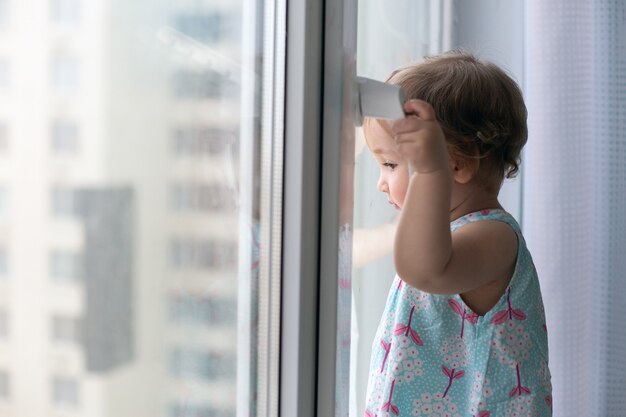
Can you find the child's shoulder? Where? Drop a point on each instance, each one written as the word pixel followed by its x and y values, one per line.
pixel 484 217
pixel 484 250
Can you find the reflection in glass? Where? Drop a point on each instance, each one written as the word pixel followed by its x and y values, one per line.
pixel 119 272
pixel 388 38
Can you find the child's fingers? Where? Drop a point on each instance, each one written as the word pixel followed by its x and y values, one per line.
pixel 408 124
pixel 404 138
pixel 421 109
pixel 418 112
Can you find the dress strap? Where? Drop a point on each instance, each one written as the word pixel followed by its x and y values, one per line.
pixel 489 214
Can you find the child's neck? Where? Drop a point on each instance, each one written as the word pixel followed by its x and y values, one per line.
pixel 471 197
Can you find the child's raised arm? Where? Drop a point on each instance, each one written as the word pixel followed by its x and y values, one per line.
pixel 427 256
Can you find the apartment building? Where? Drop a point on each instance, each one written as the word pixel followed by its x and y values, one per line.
pixel 118 224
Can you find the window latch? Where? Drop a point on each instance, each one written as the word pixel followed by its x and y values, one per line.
pixel 378 100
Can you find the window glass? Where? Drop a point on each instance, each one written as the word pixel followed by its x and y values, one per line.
pixel 66 265
pixel 64 137
pixel 4 324
pixel 64 202
pixel 4 75
pixel 65 74
pixel 388 39
pixel 210 27
pixel 66 12
pixel 134 178
pixel 64 392
pixel 4 385
pixel 4 137
pixel 4 263
pixel 66 329
pixel 3 12
pixel 3 201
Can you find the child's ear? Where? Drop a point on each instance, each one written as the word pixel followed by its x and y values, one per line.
pixel 463 170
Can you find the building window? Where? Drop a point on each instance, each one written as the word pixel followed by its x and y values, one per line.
pixel 65 12
pixel 3 12
pixel 197 364
pixel 4 75
pixel 207 27
pixel 199 410
pixel 67 330
pixel 199 85
pixel 4 324
pixel 65 392
pixel 4 136
pixel 3 201
pixel 4 264
pixel 202 140
pixel 66 266
pixel 64 202
pixel 4 385
pixel 201 254
pixel 201 197
pixel 65 74
pixel 64 137
pixel 203 310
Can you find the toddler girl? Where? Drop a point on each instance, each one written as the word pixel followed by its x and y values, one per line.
pixel 463 332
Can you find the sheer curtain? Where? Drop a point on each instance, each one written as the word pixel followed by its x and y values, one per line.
pixel 575 193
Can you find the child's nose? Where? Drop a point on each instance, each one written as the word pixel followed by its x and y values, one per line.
pixel 382 185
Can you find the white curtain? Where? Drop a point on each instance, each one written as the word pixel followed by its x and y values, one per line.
pixel 574 210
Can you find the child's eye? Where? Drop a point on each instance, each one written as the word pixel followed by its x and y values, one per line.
pixel 390 165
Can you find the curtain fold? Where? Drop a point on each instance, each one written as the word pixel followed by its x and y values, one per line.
pixel 574 192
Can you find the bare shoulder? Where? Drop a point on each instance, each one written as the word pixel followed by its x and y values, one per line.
pixel 492 240
pixel 483 253
pixel 496 248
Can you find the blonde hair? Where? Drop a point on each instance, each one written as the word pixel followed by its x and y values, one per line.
pixel 479 107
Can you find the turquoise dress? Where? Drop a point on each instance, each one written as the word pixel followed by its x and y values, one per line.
pixel 433 356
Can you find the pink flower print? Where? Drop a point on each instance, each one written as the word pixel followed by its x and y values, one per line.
pixel 480 391
pixel 484 212
pixel 465 315
pixel 387 328
pixel 508 314
pixel 451 374
pixel 404 342
pixel 519 390
pixel 406 329
pixel 386 347
pixel 407 369
pixel 483 414
pixel 521 407
pixel 416 298
pixel 548 400
pixel 376 390
pixel 435 405
pixel 389 406
pixel 368 413
pixel 512 344
pixel 454 352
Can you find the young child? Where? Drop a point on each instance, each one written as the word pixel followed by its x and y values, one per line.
pixel 463 332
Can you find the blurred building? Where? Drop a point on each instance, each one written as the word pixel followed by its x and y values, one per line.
pixel 118 225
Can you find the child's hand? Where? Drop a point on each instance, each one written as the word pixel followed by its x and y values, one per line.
pixel 420 139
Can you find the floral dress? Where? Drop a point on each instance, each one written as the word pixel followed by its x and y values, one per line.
pixel 433 356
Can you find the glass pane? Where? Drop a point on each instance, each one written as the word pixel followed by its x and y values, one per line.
pixel 128 260
pixel 391 38
pixel 388 38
